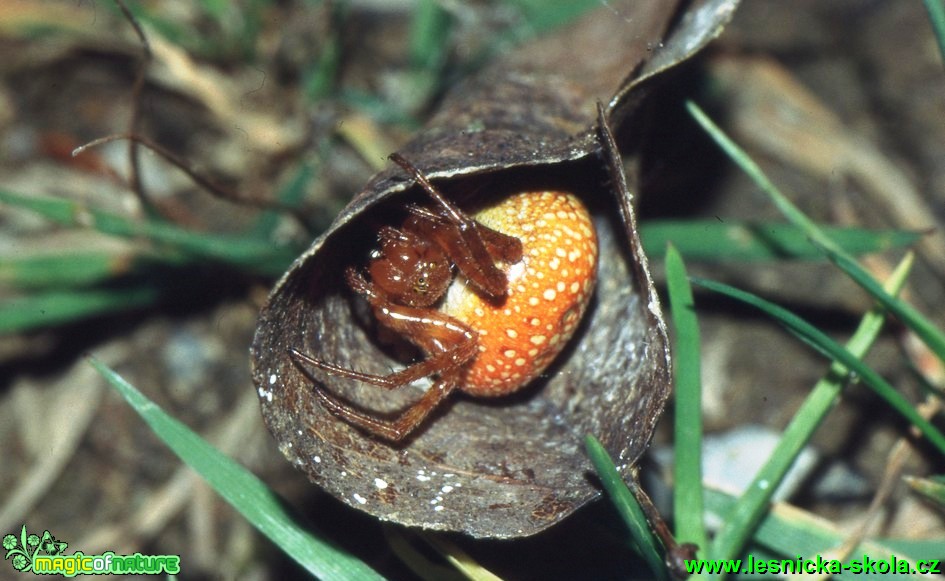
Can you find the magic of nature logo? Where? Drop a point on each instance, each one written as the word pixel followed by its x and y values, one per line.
pixel 44 555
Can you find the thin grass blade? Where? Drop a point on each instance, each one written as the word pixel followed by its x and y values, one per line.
pixel 687 464
pixel 243 490
pixel 923 328
pixel 791 532
pixel 754 171
pixel 290 195
pixel 429 36
pixel 46 309
pixel 71 269
pixel 253 254
pixel 741 523
pixel 823 344
pixel 711 240
pixel 627 506
pixel 540 16
pixel 920 325
pixel 936 10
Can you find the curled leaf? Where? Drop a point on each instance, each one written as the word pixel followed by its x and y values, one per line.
pixel 511 466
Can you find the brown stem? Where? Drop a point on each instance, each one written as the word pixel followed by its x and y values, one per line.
pixel 676 554
pixel 199 179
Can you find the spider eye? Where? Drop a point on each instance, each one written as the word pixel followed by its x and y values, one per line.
pixel 421 285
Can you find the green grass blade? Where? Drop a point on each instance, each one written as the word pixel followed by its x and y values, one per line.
pixel 378 109
pixel 687 464
pixel 319 81
pixel 243 490
pixel 926 331
pixel 741 523
pixel 790 532
pixel 290 195
pixel 19 314
pixel 921 326
pixel 828 347
pixel 75 269
pixel 253 254
pixel 429 35
pixel 541 16
pixel 936 10
pixel 711 240
pixel 627 506
pixel 754 171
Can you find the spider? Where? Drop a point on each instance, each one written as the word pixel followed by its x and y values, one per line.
pixel 528 266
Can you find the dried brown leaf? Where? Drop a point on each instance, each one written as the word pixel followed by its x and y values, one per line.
pixel 516 465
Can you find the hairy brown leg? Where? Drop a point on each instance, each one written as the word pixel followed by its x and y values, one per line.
pixel 393 430
pixel 461 237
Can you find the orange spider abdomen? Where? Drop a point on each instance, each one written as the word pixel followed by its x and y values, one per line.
pixel 548 292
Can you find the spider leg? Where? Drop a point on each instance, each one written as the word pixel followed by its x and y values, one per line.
pixel 442 362
pixel 506 248
pixel 393 430
pixel 427 214
pixel 463 238
pixel 448 343
pixel 454 214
